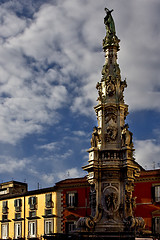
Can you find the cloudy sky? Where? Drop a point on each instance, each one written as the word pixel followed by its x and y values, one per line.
pixel 50 61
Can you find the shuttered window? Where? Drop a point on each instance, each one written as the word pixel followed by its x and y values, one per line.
pixel 5 207
pixel 156 225
pixel 72 199
pixel 48 200
pixel 32 202
pixel 157 193
pixel 17 205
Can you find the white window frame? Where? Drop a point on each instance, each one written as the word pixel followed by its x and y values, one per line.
pixel 157 193
pixel 4 233
pixel 47 223
pixel 71 226
pixel 71 199
pixel 32 229
pixel 17 230
pixel 157 224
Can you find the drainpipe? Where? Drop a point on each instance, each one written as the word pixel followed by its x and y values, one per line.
pixel 24 218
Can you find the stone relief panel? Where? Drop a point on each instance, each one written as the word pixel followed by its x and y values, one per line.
pixel 110 115
pixel 110 87
pixel 111 129
pixel 110 199
pixel 92 197
pixel 111 134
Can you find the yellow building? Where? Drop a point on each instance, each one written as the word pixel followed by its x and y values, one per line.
pixel 28 214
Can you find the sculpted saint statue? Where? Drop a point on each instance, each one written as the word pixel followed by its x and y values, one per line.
pixel 95 137
pixel 109 23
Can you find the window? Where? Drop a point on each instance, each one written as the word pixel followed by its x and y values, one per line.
pixel 157 193
pixel 32 202
pixel 71 199
pixel 32 214
pixel 48 226
pixel 4 206
pixel 17 215
pixel 32 229
pixel 48 200
pixel 17 230
pixel 48 212
pixel 70 227
pixel 4 231
pixel 4 217
pixel 156 225
pixel 17 205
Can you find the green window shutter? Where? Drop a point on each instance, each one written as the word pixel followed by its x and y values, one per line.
pixel 48 199
pixel 76 199
pixel 29 200
pixel 67 199
pixel 5 204
pixel 153 193
pixel 153 225
pixel 15 203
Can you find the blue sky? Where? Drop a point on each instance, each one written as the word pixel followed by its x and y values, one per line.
pixel 50 61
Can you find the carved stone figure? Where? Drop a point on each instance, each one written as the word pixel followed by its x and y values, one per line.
pixel 111 133
pixel 99 88
pixel 111 201
pixel 126 137
pixel 110 88
pixel 123 85
pixel 95 137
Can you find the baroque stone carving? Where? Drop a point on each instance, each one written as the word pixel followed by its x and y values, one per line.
pixel 111 133
pixel 92 197
pixel 110 115
pixel 95 137
pixel 99 88
pixel 123 85
pixel 126 137
pixel 110 200
pixel 110 87
pixel 105 70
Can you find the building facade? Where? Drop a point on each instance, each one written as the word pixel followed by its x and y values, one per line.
pixel 40 213
pixel 147 193
pixel 28 214
pixel 75 201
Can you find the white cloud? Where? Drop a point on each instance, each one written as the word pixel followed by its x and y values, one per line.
pixel 54 60
pixel 79 133
pixel 48 178
pixel 10 165
pixel 49 147
pixel 65 38
pixel 147 153
pixel 70 173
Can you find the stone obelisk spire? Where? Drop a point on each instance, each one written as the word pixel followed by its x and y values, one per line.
pixel 112 168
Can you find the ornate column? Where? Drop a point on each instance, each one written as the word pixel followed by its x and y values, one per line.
pixel 112 168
